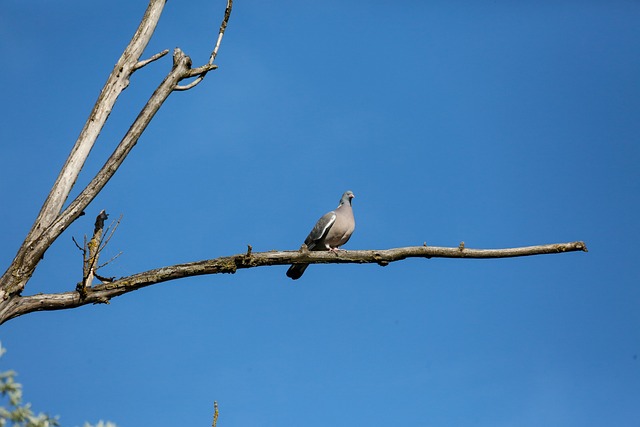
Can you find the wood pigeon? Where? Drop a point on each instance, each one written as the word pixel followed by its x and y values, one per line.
pixel 330 232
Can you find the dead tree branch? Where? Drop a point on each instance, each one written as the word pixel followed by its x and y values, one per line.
pixel 215 414
pixel 103 293
pixel 155 57
pixel 117 81
pixel 201 72
pixel 92 252
pixel 52 220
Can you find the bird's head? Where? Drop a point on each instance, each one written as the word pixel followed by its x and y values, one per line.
pixel 347 197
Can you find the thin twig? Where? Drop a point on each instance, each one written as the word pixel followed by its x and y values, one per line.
pixel 104 279
pixel 201 72
pixel 190 85
pixel 215 414
pixel 82 249
pixel 110 230
pixel 223 27
pixel 113 258
pixel 155 57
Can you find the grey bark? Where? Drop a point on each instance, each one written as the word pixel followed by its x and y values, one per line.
pixel 53 219
pixel 103 293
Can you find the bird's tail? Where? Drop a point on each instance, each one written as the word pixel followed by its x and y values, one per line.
pixel 296 271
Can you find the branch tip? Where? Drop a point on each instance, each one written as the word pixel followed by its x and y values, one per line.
pixel 100 219
pixel 223 27
pixel 215 413
pixel 155 57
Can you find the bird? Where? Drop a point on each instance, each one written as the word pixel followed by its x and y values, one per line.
pixel 331 231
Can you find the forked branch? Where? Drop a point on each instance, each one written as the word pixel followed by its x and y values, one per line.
pixel 102 293
pixel 52 220
pixel 91 252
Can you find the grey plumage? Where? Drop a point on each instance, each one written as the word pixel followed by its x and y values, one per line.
pixel 331 231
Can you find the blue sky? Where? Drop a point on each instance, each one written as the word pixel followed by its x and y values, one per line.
pixel 494 123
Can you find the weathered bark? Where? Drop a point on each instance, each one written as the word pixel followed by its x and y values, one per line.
pixel 51 222
pixel 117 81
pixel 104 292
pixel 53 219
pixel 92 254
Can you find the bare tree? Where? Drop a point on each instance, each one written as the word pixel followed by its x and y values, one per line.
pixel 54 218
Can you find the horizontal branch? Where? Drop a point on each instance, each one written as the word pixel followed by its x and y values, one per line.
pixel 104 292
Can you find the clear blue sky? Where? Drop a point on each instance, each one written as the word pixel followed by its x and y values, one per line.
pixel 496 123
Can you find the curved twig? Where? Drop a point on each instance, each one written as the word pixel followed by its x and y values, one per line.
pixel 201 72
pixel 102 293
pixel 190 85
pixel 223 27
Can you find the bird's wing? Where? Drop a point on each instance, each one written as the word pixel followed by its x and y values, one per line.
pixel 320 229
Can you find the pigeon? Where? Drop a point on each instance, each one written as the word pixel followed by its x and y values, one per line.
pixel 330 232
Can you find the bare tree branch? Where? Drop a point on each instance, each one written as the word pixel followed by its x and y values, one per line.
pixel 117 81
pixel 109 232
pixel 215 414
pixel 14 280
pixel 102 293
pixel 81 248
pixel 155 57
pixel 51 222
pixel 44 230
pixel 201 72
pixel 102 278
pixel 53 219
pixel 92 252
pixel 223 27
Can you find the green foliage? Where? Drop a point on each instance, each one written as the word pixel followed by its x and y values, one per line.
pixel 14 413
pixel 101 424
